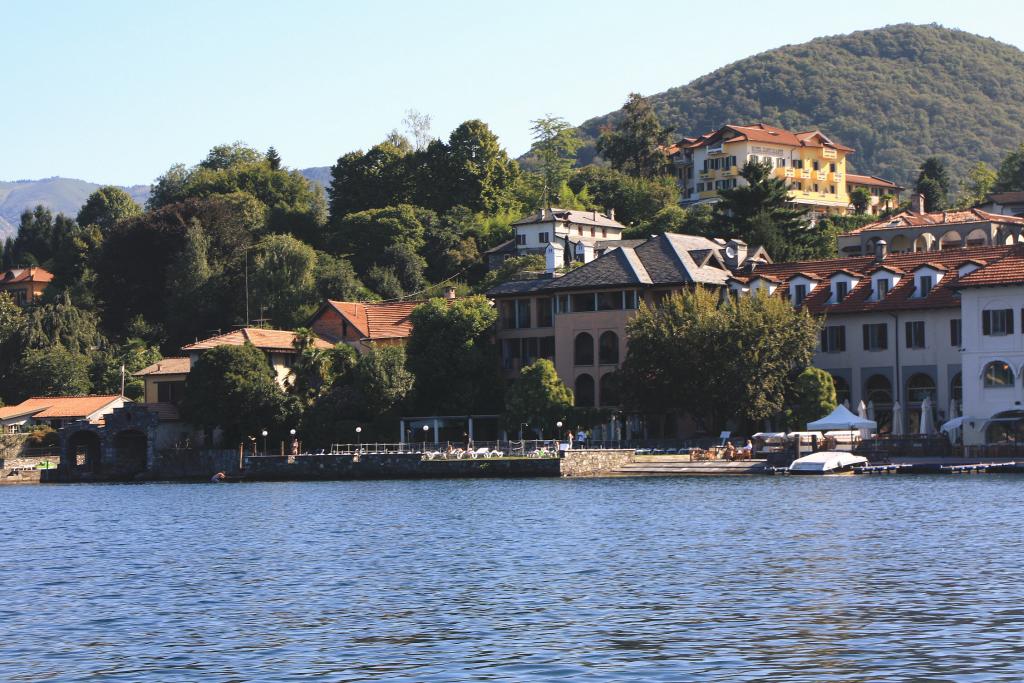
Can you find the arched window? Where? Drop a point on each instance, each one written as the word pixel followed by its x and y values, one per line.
pixel 609 386
pixel 608 349
pixel 956 388
pixel 584 349
pixel 997 375
pixel 920 387
pixel 842 388
pixel 584 391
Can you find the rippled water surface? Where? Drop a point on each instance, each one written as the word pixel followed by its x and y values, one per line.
pixel 664 579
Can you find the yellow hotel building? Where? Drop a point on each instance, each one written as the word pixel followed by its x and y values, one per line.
pixel 813 166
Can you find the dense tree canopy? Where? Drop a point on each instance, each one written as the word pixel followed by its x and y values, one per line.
pixel 635 143
pixel 675 356
pixel 451 356
pixel 538 397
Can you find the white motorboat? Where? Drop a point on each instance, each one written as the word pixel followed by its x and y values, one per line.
pixel 827 462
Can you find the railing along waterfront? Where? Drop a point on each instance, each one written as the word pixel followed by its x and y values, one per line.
pixel 448 450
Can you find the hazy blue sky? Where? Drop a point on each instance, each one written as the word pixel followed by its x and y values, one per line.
pixel 115 92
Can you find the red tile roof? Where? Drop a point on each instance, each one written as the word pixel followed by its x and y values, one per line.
pixel 385 320
pixel 266 340
pixel 871 180
pixel 167 366
pixel 47 407
pixel 1007 271
pixel 942 295
pixel 30 274
pixel 908 219
pixel 762 132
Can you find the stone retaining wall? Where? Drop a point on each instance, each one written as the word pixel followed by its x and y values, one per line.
pixel 391 466
pixel 12 446
pixel 594 463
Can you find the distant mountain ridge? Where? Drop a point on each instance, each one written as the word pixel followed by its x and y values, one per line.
pixel 896 94
pixel 67 195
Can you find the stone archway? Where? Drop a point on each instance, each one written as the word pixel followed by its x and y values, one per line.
pixel 83 452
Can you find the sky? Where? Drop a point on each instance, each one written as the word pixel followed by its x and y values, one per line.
pixel 117 92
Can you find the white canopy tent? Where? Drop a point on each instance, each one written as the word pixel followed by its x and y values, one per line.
pixel 842 418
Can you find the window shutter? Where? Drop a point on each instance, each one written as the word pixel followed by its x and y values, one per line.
pixel 884 338
pixel 986 322
pixel 1009 321
pixel 824 340
pixel 867 337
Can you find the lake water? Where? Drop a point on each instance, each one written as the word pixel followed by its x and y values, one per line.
pixel 663 579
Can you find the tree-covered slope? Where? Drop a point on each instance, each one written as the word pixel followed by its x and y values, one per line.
pixel 896 94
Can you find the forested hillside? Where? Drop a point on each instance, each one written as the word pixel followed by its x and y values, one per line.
pixel 896 94
pixel 60 195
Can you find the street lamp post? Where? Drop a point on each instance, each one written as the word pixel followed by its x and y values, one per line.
pixel 295 442
pixel 359 438
pixel 264 432
pixel 426 429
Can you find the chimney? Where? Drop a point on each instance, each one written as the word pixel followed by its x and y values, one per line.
pixel 917 203
pixel 611 213
pixel 595 215
pixel 881 250
pixel 449 292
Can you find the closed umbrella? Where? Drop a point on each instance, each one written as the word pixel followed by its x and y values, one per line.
pixel 897 419
pixel 926 416
pixel 871 410
pixel 953 411
pixel 862 410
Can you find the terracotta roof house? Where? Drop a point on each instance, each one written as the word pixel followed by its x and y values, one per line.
pixel 812 165
pixel 885 194
pixel 58 411
pixel 898 328
pixel 165 386
pixel 1005 203
pixel 918 230
pixel 361 324
pixel 278 345
pixel 25 285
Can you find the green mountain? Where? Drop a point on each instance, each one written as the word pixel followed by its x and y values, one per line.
pixel 67 195
pixel 60 195
pixel 896 94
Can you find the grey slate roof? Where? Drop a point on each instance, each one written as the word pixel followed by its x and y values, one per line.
pixel 572 216
pixel 668 259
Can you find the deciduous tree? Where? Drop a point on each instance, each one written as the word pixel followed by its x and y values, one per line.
pixel 538 397
pixel 716 361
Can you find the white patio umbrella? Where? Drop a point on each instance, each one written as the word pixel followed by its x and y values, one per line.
pixel 871 410
pixel 926 416
pixel 953 411
pixel 862 410
pixel 897 419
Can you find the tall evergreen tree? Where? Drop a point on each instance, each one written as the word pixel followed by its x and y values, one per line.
pixel 636 144
pixel 555 143
pixel 274 159
pixel 760 213
pixel 933 182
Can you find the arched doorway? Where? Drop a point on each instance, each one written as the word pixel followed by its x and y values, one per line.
pixel 878 389
pixel 130 451
pixel 609 389
pixel 83 451
pixel 608 349
pixel 842 389
pixel 919 387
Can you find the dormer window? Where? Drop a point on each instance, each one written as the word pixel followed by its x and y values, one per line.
pixel 924 285
pixel 881 288
pixel 842 289
pixel 799 294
